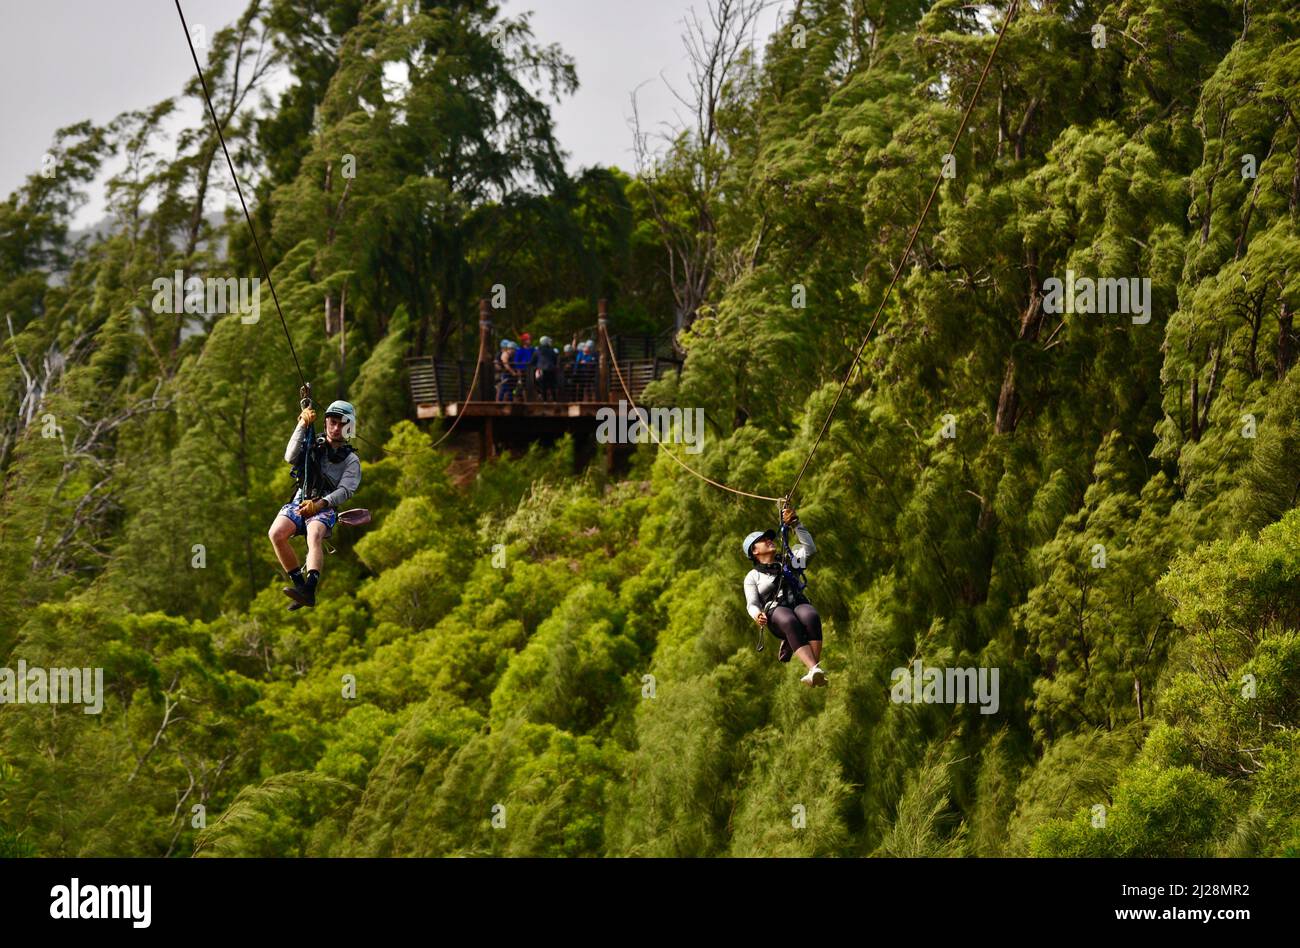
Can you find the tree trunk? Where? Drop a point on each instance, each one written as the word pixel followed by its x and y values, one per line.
pixel 1008 413
pixel 1285 341
pixel 1196 414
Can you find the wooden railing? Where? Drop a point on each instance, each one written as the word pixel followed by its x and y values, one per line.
pixel 444 381
pixel 441 387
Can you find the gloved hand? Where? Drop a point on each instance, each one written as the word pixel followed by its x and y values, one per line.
pixel 308 417
pixel 788 515
pixel 310 508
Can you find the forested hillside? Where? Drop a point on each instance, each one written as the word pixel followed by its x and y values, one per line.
pixel 529 661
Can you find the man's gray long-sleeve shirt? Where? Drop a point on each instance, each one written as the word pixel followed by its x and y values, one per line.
pixel 346 474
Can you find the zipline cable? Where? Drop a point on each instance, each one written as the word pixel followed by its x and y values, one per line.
pixel 1011 12
pixel 916 230
pixel 266 271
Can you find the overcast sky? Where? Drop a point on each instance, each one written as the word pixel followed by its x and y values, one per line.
pixel 62 61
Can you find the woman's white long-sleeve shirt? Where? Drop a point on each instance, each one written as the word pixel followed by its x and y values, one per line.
pixel 760 587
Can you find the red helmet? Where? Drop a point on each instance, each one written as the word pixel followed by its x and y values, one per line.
pixel 525 337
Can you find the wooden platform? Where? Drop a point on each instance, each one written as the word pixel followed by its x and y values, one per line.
pixel 472 409
pixel 466 390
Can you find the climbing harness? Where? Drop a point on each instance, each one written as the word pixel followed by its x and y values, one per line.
pixel 305 487
pixel 789 576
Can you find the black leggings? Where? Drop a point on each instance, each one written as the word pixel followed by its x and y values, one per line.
pixel 546 385
pixel 798 626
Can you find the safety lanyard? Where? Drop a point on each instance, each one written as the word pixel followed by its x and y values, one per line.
pixel 791 577
pixel 308 440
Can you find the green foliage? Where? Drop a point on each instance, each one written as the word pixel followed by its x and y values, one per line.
pixel 571 672
pixel 540 661
pixel 918 829
pixel 1176 811
pixel 274 818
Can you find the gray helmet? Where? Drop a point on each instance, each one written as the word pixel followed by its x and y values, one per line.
pixel 546 340
pixel 568 347
pixel 342 409
pixel 753 538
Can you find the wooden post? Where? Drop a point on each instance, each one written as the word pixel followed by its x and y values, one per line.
pixel 602 346
pixel 487 446
pixel 486 386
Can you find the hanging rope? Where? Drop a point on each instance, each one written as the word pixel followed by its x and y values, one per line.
pixel 744 493
pixel 461 412
pixel 445 435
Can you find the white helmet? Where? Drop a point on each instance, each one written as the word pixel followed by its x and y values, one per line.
pixel 748 546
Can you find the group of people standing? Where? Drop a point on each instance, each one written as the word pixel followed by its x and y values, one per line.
pixel 552 374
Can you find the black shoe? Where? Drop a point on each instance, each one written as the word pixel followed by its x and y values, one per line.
pixel 301 595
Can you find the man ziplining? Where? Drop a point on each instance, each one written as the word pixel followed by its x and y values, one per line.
pixel 327 474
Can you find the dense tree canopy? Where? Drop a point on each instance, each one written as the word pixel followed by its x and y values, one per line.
pixel 529 661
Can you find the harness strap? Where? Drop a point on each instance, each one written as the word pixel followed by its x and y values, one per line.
pixel 787 572
pixel 317 485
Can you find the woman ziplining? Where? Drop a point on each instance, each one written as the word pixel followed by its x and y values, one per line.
pixel 788 614
pixel 774 594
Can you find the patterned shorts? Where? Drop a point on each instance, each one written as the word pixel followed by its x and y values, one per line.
pixel 329 516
